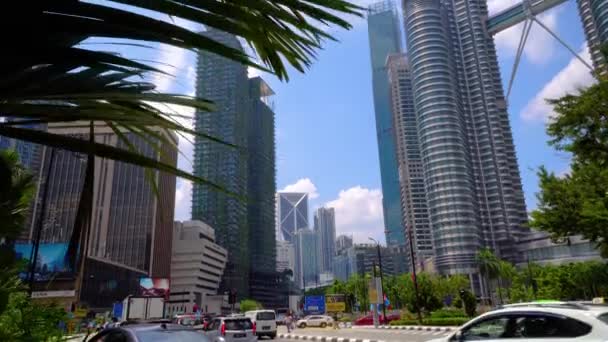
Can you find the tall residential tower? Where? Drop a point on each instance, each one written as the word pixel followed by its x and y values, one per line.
pixel 224 82
pixel 409 161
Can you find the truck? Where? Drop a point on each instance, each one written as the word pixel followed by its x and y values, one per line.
pixel 143 308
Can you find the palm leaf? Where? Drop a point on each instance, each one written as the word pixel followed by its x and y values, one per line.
pixel 62 79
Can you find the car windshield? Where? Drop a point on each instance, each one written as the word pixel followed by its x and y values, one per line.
pixel 189 321
pixel 603 317
pixel 238 324
pixel 265 316
pixel 170 336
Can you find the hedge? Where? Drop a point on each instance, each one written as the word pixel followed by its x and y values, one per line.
pixel 433 321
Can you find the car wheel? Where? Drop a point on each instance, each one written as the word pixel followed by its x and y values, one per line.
pixel 302 325
pixel 323 325
pixel 273 336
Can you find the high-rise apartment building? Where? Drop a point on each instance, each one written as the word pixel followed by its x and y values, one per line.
pixel 292 214
pixel 306 272
pixel 261 178
pixel 594 15
pixel 197 265
pixel 131 228
pixel 224 82
pixel 385 39
pixel 473 187
pixel 409 161
pixel 29 153
pixel 325 228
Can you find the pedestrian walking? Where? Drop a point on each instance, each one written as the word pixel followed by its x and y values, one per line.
pixel 289 322
pixel 336 322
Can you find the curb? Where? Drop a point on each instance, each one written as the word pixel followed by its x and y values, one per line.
pixel 323 338
pixel 416 327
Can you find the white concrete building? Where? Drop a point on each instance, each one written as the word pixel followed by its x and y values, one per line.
pixel 286 257
pixel 197 266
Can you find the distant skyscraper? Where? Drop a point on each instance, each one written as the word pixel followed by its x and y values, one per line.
pixel 343 242
pixel 594 15
pixel 225 83
pixel 325 227
pixel 473 187
pixel 131 229
pixel 292 214
pixel 307 253
pixel 385 39
pixel 286 257
pixel 411 175
pixel 29 153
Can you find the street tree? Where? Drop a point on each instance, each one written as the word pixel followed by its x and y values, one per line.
pixel 577 202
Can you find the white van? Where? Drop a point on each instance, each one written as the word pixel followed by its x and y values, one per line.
pixel 265 322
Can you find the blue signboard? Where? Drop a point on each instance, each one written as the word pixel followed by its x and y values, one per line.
pixel 117 310
pixel 314 305
pixel 50 263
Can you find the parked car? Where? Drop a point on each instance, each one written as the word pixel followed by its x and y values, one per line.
pixel 149 333
pixel 558 321
pixel 231 329
pixel 369 319
pixel 315 321
pixel 265 322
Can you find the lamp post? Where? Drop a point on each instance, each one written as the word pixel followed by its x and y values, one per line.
pixel 414 277
pixel 381 276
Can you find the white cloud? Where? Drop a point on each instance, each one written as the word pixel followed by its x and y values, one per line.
pixel 359 213
pixel 183 200
pixel 495 6
pixel 303 185
pixel 574 76
pixel 540 43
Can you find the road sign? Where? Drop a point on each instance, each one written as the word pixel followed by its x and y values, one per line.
pixel 53 294
pixel 335 303
pixel 314 305
pixel 374 291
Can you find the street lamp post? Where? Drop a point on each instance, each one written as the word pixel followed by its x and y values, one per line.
pixel 381 276
pixel 414 278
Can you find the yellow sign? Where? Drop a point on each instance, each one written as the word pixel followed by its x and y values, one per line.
pixel 80 313
pixel 598 300
pixel 372 291
pixel 335 303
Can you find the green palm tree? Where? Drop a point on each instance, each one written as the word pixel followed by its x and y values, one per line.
pixel 489 267
pixel 49 76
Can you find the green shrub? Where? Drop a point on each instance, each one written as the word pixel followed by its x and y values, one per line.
pixel 344 319
pixel 446 321
pixel 448 313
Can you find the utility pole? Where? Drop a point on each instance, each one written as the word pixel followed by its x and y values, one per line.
pixel 414 278
pixel 381 277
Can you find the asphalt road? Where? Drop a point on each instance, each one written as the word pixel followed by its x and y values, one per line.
pixel 387 335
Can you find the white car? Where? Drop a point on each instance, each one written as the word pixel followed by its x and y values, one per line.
pixel 538 322
pixel 315 321
pixel 265 322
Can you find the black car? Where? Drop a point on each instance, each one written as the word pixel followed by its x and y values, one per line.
pixel 150 333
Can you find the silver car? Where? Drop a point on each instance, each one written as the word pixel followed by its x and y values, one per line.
pixel 231 329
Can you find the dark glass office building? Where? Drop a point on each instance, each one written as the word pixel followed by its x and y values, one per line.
pixel 385 39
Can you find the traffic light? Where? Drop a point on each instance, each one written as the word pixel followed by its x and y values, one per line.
pixel 232 297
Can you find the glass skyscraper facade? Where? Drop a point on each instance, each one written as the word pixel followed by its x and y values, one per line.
pixel 244 116
pixel 292 214
pixel 594 15
pixel 385 39
pixel 307 252
pixel 225 83
pixel 473 187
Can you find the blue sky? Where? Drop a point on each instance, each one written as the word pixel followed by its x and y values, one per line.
pixel 326 142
